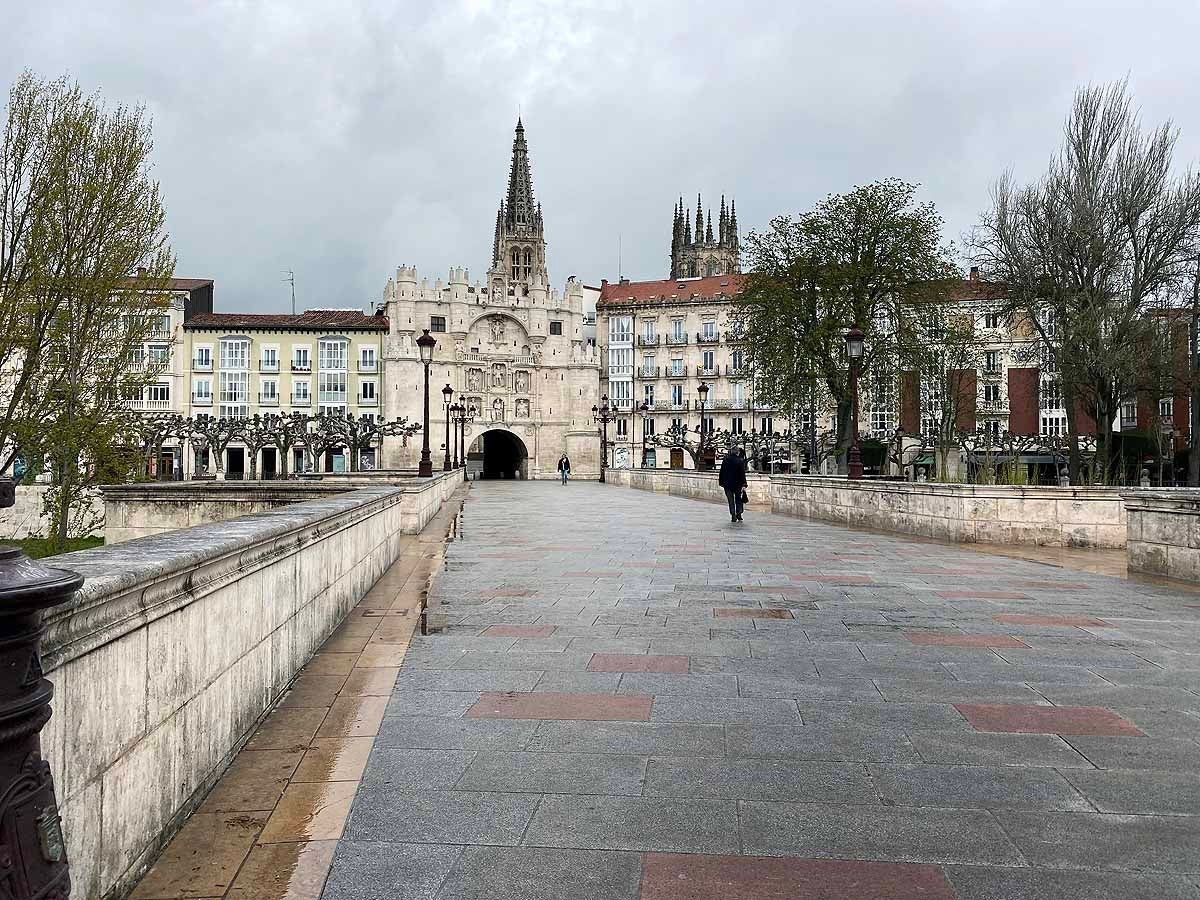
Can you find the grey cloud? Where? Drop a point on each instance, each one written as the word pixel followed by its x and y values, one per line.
pixel 340 139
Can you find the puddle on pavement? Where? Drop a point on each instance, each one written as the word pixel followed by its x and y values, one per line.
pixel 453 533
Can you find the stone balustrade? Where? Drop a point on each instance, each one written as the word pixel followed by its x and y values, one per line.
pixel 179 643
pixel 689 483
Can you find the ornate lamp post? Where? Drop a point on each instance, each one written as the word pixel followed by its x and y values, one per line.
pixel 702 392
pixel 426 343
pixel 455 414
pixel 643 409
pixel 35 856
pixel 447 393
pixel 854 350
pixel 603 414
pixel 467 415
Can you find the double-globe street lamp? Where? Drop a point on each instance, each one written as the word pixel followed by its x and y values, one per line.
pixel 447 393
pixel 702 392
pixel 425 343
pixel 603 414
pixel 854 350
pixel 462 415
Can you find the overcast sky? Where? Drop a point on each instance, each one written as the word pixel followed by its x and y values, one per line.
pixel 342 139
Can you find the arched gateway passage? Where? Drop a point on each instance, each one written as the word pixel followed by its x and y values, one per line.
pixel 498 454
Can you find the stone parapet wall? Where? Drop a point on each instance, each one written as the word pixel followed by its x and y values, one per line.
pixel 994 514
pixel 689 483
pixel 179 643
pixel 26 518
pixel 1164 534
pixel 141 509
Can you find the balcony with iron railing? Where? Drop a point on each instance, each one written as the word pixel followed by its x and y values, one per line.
pixel 648 371
pixel 301 366
pixel 736 371
pixel 306 400
pixel 645 340
pixel 993 407
pixel 680 372
pixel 205 400
pixel 993 374
pixel 676 340
pixel 368 401
pixel 668 406
pixel 708 371
pixel 199 365
pixel 265 365
pixel 712 338
pixel 268 399
pixel 368 366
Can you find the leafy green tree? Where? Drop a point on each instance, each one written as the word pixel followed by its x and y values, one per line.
pixel 854 259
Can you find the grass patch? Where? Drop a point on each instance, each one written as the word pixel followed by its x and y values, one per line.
pixel 39 548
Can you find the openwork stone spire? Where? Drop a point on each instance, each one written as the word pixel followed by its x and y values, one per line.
pixel 519 250
pixel 520 209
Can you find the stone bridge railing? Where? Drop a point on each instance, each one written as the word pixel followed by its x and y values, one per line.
pixel 179 643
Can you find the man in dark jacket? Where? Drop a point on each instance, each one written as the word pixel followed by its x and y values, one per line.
pixel 733 480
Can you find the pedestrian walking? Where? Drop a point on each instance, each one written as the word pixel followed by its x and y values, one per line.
pixel 733 480
pixel 564 467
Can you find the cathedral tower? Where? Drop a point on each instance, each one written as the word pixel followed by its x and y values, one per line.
pixel 701 253
pixel 519 248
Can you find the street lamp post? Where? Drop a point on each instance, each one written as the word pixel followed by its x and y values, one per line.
pixel 455 409
pixel 447 393
pixel 425 343
pixel 467 415
pixel 702 391
pixel 603 414
pixel 854 350
pixel 35 854
pixel 643 409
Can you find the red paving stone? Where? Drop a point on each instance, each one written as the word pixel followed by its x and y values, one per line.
pixel 739 612
pixel 638 662
pixel 1070 720
pixel 982 595
pixel 595 574
pixel 934 570
pixel 1023 619
pixel 679 876
pixel 966 640
pixel 552 705
pixel 519 631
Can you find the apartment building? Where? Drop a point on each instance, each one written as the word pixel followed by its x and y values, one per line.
pixel 320 361
pixel 660 341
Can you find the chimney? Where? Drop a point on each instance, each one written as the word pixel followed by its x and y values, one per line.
pixel 624 281
pixel 141 271
pixel 974 276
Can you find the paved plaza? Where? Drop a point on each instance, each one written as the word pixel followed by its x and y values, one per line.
pixel 631 697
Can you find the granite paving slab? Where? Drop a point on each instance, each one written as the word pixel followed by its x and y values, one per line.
pixel 624 696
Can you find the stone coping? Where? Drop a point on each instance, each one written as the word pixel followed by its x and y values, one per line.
pixel 975 490
pixel 131 584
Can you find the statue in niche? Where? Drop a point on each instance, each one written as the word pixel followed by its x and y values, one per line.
pixel 522 411
pixel 474 379
pixel 497 410
pixel 497 292
pixel 498 326
pixel 537 356
pixel 521 382
pixel 498 376
pixel 459 350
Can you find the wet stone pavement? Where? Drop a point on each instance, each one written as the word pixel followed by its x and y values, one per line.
pixel 631 697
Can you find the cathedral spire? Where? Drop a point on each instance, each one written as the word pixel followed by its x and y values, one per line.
pixel 519 206
pixel 699 220
pixel 708 237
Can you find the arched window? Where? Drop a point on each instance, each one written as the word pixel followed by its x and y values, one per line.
pixel 528 262
pixel 710 268
pixel 515 268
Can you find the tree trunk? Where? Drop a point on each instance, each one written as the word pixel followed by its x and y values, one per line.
pixel 284 453
pixel 1073 461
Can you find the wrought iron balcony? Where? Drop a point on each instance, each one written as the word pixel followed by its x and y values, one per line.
pixel 201 365
pixel 708 371
pixel 647 340
pixel 268 366
pixel 206 400
pixel 681 372
pixel 702 338
pixel 298 366
pixel 648 371
pixel 301 401
pixel 676 340
pixel 268 399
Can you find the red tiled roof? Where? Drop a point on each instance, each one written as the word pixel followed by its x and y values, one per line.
pixel 699 289
pixel 309 319
pixel 176 284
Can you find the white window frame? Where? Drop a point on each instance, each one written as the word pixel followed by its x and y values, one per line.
pixel 235 354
